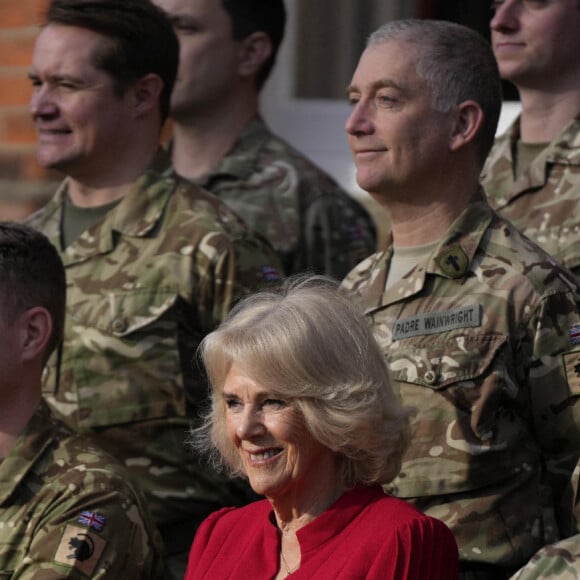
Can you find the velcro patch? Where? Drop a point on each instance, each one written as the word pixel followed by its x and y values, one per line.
pixel 436 322
pixel 79 548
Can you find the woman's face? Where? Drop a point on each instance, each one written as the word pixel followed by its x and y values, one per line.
pixel 279 456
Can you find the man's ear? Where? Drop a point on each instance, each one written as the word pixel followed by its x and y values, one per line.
pixel 147 93
pixel 255 51
pixel 35 328
pixel 467 124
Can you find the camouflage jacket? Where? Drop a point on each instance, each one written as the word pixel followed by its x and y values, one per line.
pixel 309 220
pixel 67 510
pixel 543 202
pixel 560 561
pixel 145 284
pixel 483 340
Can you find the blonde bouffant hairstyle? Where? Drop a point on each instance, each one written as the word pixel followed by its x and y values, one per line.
pixel 308 343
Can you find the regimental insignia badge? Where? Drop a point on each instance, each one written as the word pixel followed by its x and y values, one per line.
pixel 453 262
pixel 79 548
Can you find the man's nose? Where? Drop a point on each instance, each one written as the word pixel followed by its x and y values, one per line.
pixel 506 16
pixel 359 121
pixel 42 103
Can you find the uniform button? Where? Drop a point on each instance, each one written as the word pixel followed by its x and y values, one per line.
pixel 430 377
pixel 119 325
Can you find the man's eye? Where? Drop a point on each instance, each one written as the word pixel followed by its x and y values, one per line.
pixel 385 100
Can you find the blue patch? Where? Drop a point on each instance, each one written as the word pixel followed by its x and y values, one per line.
pixel 574 333
pixel 270 274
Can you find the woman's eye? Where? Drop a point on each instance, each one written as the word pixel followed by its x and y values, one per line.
pixel 232 403
pixel 276 403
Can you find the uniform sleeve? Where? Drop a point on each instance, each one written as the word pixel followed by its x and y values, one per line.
pixel 227 270
pixel 560 560
pixel 423 548
pixel 338 234
pixel 554 381
pixel 92 530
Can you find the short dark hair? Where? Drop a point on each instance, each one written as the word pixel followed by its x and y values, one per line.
pixel 142 39
pixel 31 274
pixel 249 16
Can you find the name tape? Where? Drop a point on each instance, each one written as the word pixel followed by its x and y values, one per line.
pixel 436 322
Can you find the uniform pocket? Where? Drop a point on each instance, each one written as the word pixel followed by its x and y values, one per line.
pixel 469 413
pixel 124 356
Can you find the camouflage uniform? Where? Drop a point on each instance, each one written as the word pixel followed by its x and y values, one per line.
pixel 144 285
pixel 543 202
pixel 558 561
pixel 68 511
pixel 479 338
pixel 312 223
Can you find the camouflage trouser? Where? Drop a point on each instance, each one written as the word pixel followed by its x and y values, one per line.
pixel 481 571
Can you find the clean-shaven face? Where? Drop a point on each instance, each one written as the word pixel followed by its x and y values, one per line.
pixel 209 55
pixel 536 42
pixel 395 136
pixel 80 121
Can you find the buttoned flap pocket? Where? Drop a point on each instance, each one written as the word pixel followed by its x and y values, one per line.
pixel 123 313
pixel 125 356
pixel 437 363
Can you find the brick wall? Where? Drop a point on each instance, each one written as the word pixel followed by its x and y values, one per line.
pixel 24 186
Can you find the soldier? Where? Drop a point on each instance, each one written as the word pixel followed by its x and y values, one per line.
pixel 153 263
pixel 67 509
pixel 532 176
pixel 220 141
pixel 479 326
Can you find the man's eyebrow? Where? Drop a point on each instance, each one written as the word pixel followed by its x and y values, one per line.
pixel 379 84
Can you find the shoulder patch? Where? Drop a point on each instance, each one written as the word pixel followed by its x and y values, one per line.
pixel 574 334
pixel 79 548
pixel 453 262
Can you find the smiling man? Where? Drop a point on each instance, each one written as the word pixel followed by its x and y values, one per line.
pixel 478 325
pixel 152 262
pixel 532 176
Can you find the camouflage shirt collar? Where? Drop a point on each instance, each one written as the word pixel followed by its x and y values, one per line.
pixel 142 207
pixel 565 148
pixel 239 163
pixel 136 215
pixel 30 445
pixel 451 259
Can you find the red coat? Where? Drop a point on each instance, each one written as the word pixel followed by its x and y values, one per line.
pixel 365 534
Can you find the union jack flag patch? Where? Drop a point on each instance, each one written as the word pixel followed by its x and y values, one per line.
pixel 92 520
pixel 270 274
pixel 574 333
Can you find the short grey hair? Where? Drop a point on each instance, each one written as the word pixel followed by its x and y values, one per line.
pixel 310 344
pixel 457 63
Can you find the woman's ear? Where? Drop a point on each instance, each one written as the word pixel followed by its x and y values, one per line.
pixel 467 124
pixel 256 49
